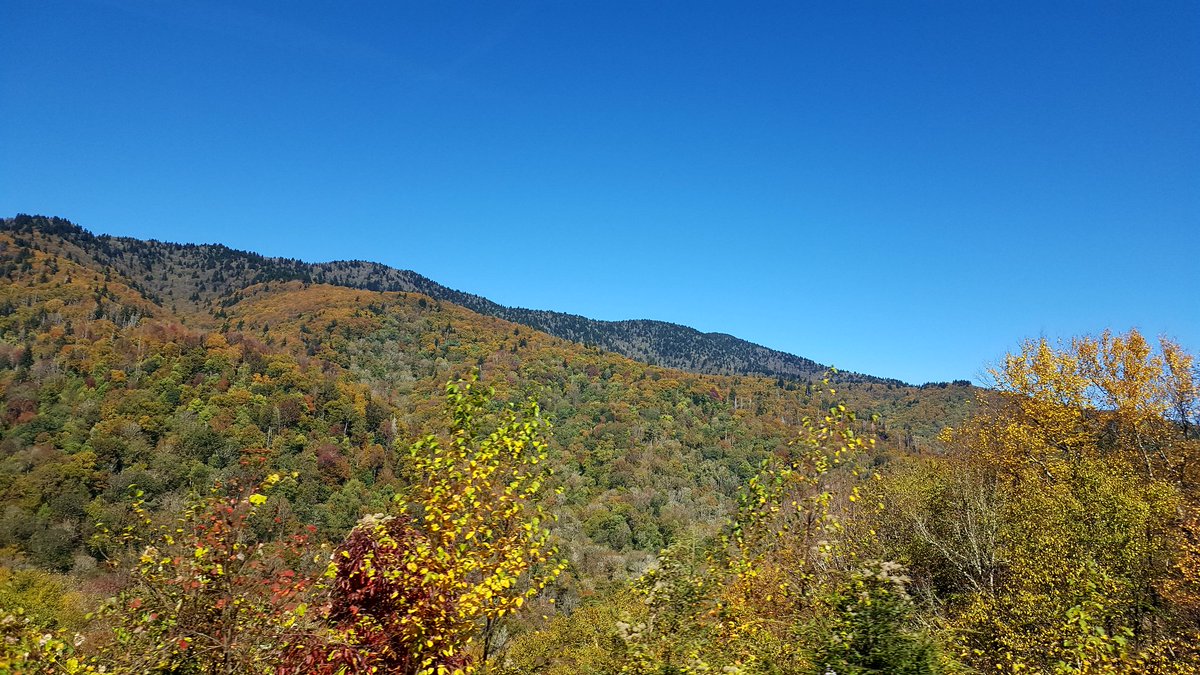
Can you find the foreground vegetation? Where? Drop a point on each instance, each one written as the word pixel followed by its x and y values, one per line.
pixel 283 483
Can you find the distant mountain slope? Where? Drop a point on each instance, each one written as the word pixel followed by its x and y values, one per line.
pixel 200 278
pixel 102 388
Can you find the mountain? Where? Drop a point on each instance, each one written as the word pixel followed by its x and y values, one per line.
pixel 137 377
pixel 175 367
pixel 193 278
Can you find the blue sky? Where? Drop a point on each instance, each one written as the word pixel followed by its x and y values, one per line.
pixel 905 189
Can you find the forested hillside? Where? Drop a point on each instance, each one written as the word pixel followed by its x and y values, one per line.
pixel 213 462
pixel 192 278
pixel 350 373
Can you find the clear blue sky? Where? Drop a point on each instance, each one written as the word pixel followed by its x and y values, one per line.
pixel 900 188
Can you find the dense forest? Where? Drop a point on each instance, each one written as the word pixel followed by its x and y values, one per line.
pixel 188 277
pixel 215 462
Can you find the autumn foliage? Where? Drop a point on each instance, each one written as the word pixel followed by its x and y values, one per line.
pixel 416 592
pixel 208 593
pixel 712 524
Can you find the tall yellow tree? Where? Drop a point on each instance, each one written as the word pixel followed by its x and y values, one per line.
pixel 419 591
pixel 1091 446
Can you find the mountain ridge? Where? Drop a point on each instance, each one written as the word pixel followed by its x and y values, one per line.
pixel 218 273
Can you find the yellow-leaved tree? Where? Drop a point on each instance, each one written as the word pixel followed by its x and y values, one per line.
pixel 1087 450
pixel 419 591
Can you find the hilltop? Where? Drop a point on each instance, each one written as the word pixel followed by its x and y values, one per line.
pixel 204 278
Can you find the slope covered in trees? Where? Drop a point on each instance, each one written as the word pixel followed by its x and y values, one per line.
pixel 190 278
pixel 1056 533
pixel 323 380
pixel 273 476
